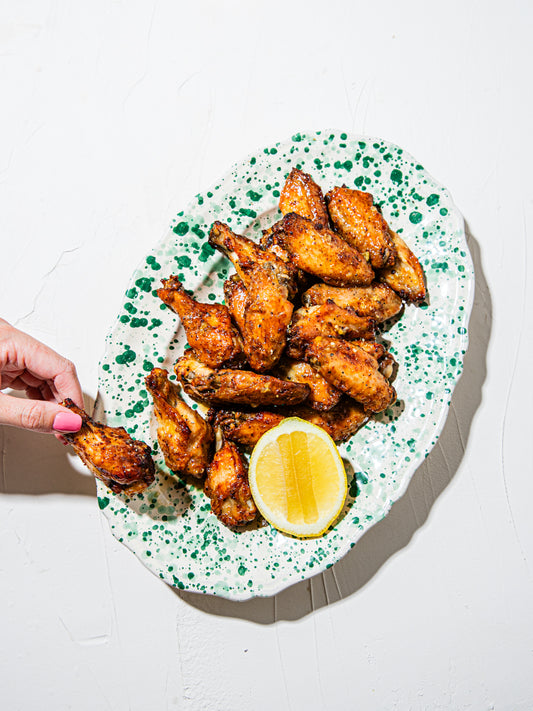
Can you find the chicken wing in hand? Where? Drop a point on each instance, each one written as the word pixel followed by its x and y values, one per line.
pixel 239 387
pixel 352 370
pixel 227 486
pixel 184 436
pixel 362 225
pixel 209 329
pixel 302 195
pixel 122 463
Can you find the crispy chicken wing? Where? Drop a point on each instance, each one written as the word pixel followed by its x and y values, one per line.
pixel 267 316
pixel 325 320
pixel 240 387
pixel 405 276
pixel 352 370
pixel 184 436
pixel 362 225
pixel 323 253
pixel 340 423
pixel 262 312
pixel 376 300
pixel 122 463
pixel 302 195
pixel 246 428
pixel 209 329
pixel 227 486
pixel 322 396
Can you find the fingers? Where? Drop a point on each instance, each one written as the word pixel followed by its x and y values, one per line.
pixel 37 415
pixel 39 363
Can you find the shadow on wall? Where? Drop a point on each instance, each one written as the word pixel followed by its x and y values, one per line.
pixel 33 463
pixel 407 515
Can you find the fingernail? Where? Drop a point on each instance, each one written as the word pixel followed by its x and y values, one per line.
pixel 67 422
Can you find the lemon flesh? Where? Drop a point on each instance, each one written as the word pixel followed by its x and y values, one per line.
pixel 297 478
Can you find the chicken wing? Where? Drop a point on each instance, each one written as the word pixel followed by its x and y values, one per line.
pixel 323 253
pixel 240 387
pixel 376 300
pixel 184 436
pixel 267 316
pixel 302 195
pixel 322 396
pixel 227 486
pixel 246 428
pixel 262 312
pixel 340 423
pixel 362 225
pixel 325 320
pixel 122 463
pixel 406 276
pixel 209 329
pixel 352 370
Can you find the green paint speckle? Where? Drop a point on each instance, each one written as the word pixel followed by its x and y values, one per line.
pixel 181 228
pixel 415 217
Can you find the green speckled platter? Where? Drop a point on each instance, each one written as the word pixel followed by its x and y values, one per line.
pixel 170 527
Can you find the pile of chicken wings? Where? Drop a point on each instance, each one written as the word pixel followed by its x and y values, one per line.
pixel 295 337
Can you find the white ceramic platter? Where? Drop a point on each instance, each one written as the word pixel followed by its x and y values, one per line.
pixel 170 527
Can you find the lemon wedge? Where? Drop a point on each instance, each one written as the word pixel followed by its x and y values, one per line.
pixel 297 478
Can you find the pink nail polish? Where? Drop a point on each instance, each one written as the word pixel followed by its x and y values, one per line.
pixel 67 422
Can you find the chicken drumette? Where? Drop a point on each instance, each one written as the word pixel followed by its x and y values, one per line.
pixel 209 329
pixel 122 463
pixel 227 486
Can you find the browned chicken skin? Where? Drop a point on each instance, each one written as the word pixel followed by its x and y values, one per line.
pixel 405 276
pixel 325 320
pixel 240 387
pixel 352 370
pixel 246 428
pixel 376 300
pixel 267 316
pixel 362 225
pixel 184 436
pixel 322 396
pixel 122 463
pixel 302 195
pixel 209 329
pixel 264 316
pixel 323 253
pixel 227 486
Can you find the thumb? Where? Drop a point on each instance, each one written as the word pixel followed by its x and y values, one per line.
pixel 37 415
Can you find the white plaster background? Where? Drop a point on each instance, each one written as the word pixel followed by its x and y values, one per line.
pixel 114 114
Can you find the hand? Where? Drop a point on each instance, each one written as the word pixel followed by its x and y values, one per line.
pixel 48 378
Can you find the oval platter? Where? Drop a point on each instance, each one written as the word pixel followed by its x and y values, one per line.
pixel 170 527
